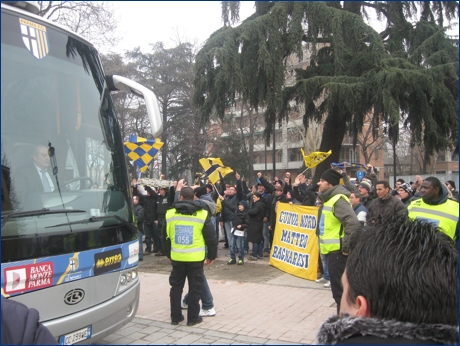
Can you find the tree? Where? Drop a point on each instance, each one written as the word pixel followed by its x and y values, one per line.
pixel 94 20
pixel 167 73
pixel 131 110
pixel 408 72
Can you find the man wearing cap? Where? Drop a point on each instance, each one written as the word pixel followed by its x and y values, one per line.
pixel 337 223
pixel 450 184
pixel 365 186
pixel 435 207
pixel 405 194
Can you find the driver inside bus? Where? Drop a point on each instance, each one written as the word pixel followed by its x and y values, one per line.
pixel 35 177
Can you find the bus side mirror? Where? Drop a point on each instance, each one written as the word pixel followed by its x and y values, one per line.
pixel 115 83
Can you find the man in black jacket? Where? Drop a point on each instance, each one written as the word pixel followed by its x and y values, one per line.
pixel 279 197
pixel 165 199
pixel 140 216
pixel 264 189
pixel 391 288
pixel 149 203
pixel 233 196
pixel 186 232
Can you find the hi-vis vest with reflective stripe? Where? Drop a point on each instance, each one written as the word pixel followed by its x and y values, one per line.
pixel 331 240
pixel 444 216
pixel 186 235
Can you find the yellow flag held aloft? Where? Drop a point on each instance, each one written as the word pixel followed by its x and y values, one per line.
pixel 315 158
pixel 212 167
pixel 142 150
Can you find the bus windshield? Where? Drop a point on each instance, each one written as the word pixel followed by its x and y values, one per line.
pixel 61 150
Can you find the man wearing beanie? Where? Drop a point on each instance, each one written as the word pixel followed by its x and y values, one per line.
pixel 365 186
pixel 338 221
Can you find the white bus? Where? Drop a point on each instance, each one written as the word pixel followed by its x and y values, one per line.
pixel 69 238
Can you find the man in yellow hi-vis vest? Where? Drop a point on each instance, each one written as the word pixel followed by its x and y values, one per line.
pixel 337 222
pixel 435 207
pixel 186 233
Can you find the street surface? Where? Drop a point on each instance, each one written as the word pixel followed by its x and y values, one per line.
pixel 255 303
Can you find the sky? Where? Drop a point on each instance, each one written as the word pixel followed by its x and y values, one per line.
pixel 146 22
pixel 142 23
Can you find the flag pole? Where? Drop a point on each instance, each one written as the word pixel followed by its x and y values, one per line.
pixel 305 170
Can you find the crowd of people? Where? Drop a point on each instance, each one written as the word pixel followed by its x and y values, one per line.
pixel 247 215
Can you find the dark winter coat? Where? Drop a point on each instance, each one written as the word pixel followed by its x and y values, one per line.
pixel 363 330
pixel 140 216
pixel 275 199
pixel 306 194
pixel 150 204
pixel 209 232
pixel 256 224
pixel 21 326
pixel 385 208
pixel 163 204
pixel 241 218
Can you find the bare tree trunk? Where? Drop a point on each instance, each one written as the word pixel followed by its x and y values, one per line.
pixel 164 136
pixel 333 133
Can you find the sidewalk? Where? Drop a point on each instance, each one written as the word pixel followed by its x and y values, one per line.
pixel 285 310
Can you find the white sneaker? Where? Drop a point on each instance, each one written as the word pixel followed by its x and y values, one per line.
pixel 208 313
pixel 321 281
pixel 327 284
pixel 183 305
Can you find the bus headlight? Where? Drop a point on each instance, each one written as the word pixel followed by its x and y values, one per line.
pixel 123 279
pixel 127 279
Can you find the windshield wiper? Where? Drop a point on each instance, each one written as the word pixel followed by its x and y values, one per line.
pixel 44 211
pixel 96 219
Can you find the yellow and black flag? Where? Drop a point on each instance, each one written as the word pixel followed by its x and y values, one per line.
pixel 212 167
pixel 142 150
pixel 315 158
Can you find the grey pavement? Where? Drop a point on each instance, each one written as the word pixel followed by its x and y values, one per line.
pixel 285 310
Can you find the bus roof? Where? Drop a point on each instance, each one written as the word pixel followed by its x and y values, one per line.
pixel 28 13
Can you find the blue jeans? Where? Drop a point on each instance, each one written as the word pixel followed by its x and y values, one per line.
pixel 141 246
pixel 257 249
pixel 325 269
pixel 148 232
pixel 238 243
pixel 228 230
pixel 246 243
pixel 206 296
pixel 266 234
pixel 157 235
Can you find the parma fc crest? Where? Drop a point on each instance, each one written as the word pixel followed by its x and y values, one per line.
pixel 34 37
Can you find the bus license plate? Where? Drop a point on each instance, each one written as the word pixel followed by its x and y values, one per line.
pixel 77 336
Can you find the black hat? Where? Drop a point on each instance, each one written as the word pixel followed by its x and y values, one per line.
pixel 244 204
pixel 452 183
pixel 209 186
pixel 200 191
pixel 331 176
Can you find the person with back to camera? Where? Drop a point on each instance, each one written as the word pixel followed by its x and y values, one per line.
pixel 21 326
pixel 337 222
pixel 400 286
pixel 186 233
